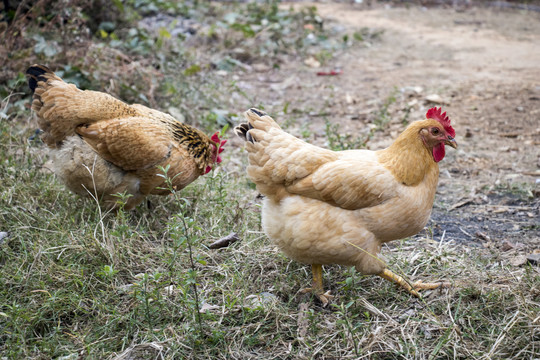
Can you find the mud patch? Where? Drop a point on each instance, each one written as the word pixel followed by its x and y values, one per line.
pixel 502 218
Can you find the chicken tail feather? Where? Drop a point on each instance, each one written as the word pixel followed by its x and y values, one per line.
pixel 38 73
pixel 256 119
pixel 242 132
pixel 62 107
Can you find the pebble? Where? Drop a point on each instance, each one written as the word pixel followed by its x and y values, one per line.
pixel 533 259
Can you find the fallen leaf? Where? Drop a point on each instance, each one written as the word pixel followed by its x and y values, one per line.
pixel 312 62
pixel 518 260
pixel 260 301
pixel 506 246
pixel 206 307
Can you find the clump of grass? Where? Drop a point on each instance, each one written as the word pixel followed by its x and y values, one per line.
pixel 337 141
pixel 382 117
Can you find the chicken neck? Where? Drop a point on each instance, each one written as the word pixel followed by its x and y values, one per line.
pixel 408 158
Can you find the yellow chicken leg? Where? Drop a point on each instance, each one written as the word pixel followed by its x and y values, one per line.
pixel 317 288
pixel 389 275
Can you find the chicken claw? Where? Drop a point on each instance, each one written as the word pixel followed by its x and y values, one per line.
pixel 317 288
pixel 419 285
pixel 325 298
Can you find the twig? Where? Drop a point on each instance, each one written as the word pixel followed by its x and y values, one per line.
pixel 460 204
pixel 225 241
pixel 194 271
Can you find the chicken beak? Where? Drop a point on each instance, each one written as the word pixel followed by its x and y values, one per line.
pixel 451 142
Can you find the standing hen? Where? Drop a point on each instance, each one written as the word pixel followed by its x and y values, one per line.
pixel 101 146
pixel 327 207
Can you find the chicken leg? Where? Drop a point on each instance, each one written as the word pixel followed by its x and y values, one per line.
pixel 317 287
pixel 389 275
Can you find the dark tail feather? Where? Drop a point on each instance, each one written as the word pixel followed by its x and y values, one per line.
pixel 242 131
pixel 36 73
pixel 258 112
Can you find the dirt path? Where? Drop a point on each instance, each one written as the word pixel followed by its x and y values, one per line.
pixel 484 65
pixel 447 48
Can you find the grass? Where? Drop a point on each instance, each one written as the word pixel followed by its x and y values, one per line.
pixel 79 282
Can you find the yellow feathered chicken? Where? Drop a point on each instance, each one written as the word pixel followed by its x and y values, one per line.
pixel 101 146
pixel 327 207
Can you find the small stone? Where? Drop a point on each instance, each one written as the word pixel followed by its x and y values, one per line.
pixel 482 236
pixel 127 288
pixel 261 67
pixel 533 259
pixel 3 236
pixel 412 103
pixel 312 62
pixel 436 99
pixel 520 109
pixel 506 246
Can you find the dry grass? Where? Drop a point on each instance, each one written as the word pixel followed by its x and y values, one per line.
pixel 77 281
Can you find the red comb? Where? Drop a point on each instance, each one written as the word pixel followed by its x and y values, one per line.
pixel 435 114
pixel 215 138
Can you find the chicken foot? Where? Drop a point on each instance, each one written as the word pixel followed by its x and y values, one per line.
pixel 317 287
pixel 419 285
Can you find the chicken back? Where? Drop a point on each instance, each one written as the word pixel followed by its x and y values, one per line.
pixel 102 147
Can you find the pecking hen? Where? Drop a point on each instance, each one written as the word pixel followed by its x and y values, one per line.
pixel 101 146
pixel 327 207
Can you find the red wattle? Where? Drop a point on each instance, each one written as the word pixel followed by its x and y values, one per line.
pixel 438 152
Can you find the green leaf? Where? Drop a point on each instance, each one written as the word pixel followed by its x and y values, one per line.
pixel 244 28
pixel 119 5
pixel 164 33
pixel 192 70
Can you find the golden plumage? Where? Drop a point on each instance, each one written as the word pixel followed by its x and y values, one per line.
pixel 103 146
pixel 327 207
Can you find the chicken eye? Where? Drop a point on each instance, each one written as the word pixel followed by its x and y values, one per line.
pixel 435 131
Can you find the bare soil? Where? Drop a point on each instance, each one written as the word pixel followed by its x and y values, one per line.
pixel 484 66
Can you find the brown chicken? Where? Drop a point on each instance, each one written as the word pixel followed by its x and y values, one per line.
pixel 102 147
pixel 327 207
